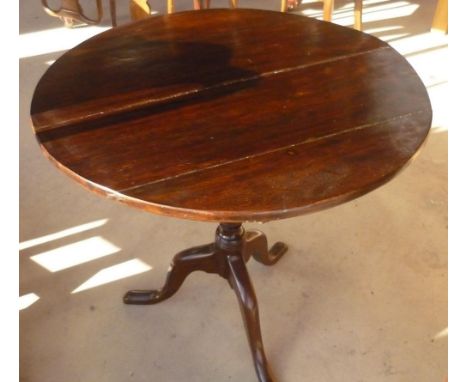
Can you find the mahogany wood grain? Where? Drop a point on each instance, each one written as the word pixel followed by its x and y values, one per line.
pixel 231 115
pixel 161 60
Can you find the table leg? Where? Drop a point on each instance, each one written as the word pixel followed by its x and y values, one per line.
pixel 256 244
pixel 240 282
pixel 227 257
pixel 194 259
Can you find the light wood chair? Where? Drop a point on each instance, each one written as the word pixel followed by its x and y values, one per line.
pixel 71 12
pixel 199 4
pixel 440 20
pixel 205 4
pixel 328 6
pixel 139 9
pixel 232 4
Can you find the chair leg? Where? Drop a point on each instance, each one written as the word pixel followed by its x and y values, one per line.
pixel 358 15
pixel 139 9
pixel 233 3
pixel 113 12
pixel 201 4
pixel 440 19
pixel 170 6
pixel 328 6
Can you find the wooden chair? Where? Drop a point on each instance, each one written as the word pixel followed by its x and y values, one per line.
pixel 203 4
pixel 199 4
pixel 328 11
pixel 440 20
pixel 328 6
pixel 139 9
pixel 71 13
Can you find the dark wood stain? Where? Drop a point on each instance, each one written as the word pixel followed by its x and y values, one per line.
pixel 227 257
pixel 231 115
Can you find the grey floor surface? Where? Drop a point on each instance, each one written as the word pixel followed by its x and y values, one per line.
pixel 361 296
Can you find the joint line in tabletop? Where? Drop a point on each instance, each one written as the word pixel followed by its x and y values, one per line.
pixel 320 62
pixel 282 148
pixel 143 103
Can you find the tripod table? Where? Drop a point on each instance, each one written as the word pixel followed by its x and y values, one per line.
pixel 230 116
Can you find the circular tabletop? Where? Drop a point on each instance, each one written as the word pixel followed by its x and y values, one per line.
pixel 231 115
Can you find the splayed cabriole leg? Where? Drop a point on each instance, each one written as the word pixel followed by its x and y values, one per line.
pixel 240 282
pixel 227 257
pixel 194 259
pixel 256 245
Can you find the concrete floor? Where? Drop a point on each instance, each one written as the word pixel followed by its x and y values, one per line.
pixel 360 296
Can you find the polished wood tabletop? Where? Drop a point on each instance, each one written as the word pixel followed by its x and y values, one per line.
pixel 231 115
